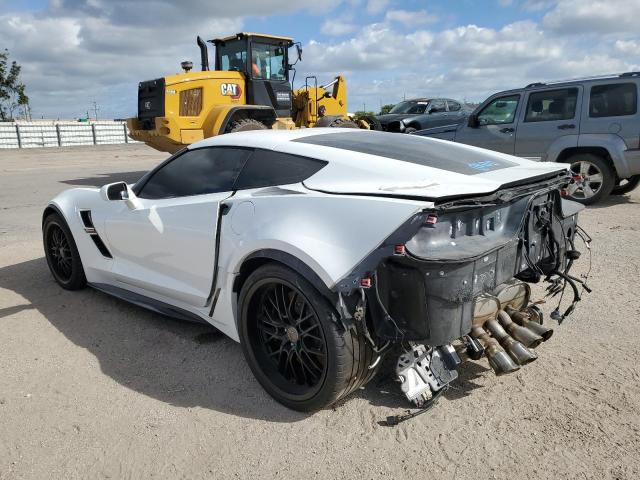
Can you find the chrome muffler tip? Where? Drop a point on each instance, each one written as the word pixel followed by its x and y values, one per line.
pixel 521 334
pixel 520 354
pixel 524 319
pixel 501 362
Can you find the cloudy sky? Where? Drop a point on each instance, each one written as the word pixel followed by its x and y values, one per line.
pixel 74 52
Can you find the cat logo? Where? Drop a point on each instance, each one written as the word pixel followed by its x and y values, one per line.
pixel 232 90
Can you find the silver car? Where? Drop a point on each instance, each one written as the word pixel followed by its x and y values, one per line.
pixel 593 123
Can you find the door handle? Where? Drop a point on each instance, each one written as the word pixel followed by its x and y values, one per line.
pixel 566 126
pixel 507 130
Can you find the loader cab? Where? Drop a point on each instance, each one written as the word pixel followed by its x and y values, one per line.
pixel 264 61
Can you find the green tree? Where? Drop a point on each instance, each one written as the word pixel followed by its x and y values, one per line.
pixel 12 89
pixel 384 109
pixel 361 113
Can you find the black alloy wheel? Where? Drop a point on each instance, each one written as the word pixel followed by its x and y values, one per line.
pixel 294 344
pixel 62 254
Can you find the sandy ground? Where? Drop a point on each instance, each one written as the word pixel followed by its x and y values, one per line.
pixel 91 387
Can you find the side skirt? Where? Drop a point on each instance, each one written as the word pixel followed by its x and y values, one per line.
pixel 149 303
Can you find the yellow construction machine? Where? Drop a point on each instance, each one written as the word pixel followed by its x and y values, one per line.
pixel 249 89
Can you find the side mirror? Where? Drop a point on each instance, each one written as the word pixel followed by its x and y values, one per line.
pixel 299 51
pixel 473 121
pixel 120 191
pixel 432 110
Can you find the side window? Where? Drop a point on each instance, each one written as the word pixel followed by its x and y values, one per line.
pixel 453 106
pixel 267 62
pixel 267 168
pixel 500 111
pixel 614 100
pixel 418 108
pixel 552 105
pixel 196 172
pixel 437 106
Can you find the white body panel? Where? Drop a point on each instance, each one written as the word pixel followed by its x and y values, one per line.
pixel 165 249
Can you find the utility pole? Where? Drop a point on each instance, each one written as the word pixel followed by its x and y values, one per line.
pixel 95 110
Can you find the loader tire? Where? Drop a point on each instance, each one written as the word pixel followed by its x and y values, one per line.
pixel 343 123
pixel 245 125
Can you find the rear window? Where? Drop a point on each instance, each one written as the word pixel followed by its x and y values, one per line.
pixel 409 148
pixel 267 168
pixel 614 100
pixel 552 105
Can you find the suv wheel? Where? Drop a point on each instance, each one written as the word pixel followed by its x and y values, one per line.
pixel 293 344
pixel 626 185
pixel 593 178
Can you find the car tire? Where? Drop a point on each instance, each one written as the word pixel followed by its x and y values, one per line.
pixel 62 253
pixel 630 184
pixel 597 178
pixel 410 130
pixel 246 125
pixel 307 364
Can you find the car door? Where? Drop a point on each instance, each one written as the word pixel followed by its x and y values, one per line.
pixel 437 114
pixel 551 120
pixel 455 112
pixel 163 240
pixel 496 126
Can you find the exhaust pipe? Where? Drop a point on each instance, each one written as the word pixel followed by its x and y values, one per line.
pixel 523 335
pixel 521 354
pixel 204 54
pixel 522 319
pixel 499 360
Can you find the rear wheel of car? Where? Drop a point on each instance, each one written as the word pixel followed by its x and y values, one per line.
pixel 626 185
pixel 410 130
pixel 62 254
pixel 593 178
pixel 246 124
pixel 294 345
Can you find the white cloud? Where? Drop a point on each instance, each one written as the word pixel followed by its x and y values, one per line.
pixel 595 16
pixel 376 6
pixel 337 27
pixel 409 18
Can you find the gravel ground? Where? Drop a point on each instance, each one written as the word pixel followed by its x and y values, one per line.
pixel 91 387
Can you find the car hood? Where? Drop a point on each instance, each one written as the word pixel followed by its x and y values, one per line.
pixel 457 170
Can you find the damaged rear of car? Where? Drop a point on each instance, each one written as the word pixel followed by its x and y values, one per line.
pixel 452 282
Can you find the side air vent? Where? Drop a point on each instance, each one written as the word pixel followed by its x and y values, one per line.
pixel 100 245
pixel 87 221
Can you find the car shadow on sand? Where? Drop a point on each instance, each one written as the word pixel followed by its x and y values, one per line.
pixel 183 364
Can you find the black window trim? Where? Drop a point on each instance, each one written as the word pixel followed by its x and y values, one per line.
pixel 535 92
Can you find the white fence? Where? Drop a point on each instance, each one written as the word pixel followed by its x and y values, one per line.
pixel 61 134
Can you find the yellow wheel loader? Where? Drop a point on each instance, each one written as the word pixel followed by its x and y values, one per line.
pixel 249 89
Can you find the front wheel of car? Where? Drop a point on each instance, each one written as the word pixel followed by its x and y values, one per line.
pixel 62 253
pixel 593 178
pixel 294 345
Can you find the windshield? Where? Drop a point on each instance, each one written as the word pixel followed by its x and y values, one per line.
pixel 410 106
pixel 268 62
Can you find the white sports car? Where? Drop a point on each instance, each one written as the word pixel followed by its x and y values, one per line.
pixel 322 250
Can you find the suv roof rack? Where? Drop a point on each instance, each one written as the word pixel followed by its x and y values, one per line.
pixel 582 79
